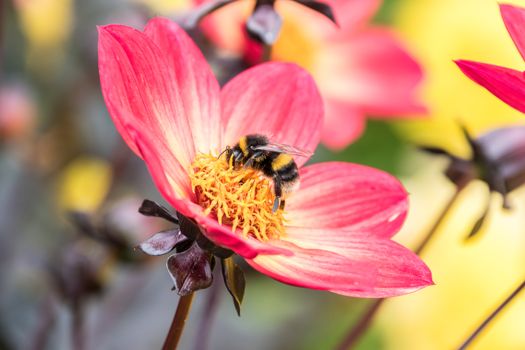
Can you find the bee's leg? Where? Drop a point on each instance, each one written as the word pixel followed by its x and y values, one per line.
pixel 281 206
pixel 278 191
pixel 250 161
pixel 227 150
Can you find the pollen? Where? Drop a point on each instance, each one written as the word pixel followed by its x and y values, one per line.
pixel 241 198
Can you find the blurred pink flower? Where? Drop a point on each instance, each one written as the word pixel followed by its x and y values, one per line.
pixel 168 107
pixel 505 83
pixel 361 70
pixel 17 112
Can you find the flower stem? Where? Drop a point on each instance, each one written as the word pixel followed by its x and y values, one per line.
pixel 492 316
pixel 267 53
pixel 178 323
pixel 360 327
pixel 77 328
pixel 424 243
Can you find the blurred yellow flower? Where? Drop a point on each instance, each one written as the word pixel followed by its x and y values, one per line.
pixel 439 31
pixel 46 23
pixel 84 184
pixel 471 277
pixel 165 6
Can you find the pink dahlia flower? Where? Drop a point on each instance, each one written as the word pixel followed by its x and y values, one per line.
pixel 361 70
pixel 334 233
pixel 505 83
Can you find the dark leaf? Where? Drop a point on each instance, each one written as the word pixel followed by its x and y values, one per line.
pixel 188 227
pixel 479 223
pixel 461 172
pixel 190 270
pixel 196 15
pixel 434 150
pixel 318 6
pixel 264 24
pixel 150 208
pixel 191 230
pixel 75 275
pixel 234 281
pixel 82 222
pixel 162 242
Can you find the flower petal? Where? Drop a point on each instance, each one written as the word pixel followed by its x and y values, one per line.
pixel 505 83
pixel 371 70
pixel 343 124
pixel 279 100
pixel 194 80
pixel 316 269
pixel 138 87
pixel 353 14
pixel 220 235
pixel 351 196
pixel 399 271
pixel 139 97
pixel 225 27
pixel 514 18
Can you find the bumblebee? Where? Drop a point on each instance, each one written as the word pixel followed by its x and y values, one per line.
pixel 274 160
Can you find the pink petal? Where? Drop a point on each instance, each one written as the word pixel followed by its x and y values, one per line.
pixel 220 235
pixel 350 196
pixel 279 100
pixel 194 80
pixel 350 15
pixel 225 27
pixel 399 271
pixel 514 18
pixel 371 70
pixel 137 84
pixel 316 269
pixel 353 14
pixel 505 83
pixel 343 124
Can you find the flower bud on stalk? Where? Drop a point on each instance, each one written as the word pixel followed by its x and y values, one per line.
pixel 498 159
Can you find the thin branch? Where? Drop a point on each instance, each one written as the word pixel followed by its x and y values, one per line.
pixel 492 316
pixel 361 326
pixel 207 317
pixel 77 329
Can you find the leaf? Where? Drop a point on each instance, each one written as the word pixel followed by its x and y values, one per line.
pixel 202 11
pixel 190 270
pixel 191 230
pixel 234 281
pixel 479 223
pixel 318 6
pixel 162 242
pixel 150 208
pixel 434 150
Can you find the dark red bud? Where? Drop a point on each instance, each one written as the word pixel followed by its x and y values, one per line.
pixel 190 270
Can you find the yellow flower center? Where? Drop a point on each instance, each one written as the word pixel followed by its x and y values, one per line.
pixel 241 198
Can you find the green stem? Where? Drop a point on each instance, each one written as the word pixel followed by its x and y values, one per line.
pixel 178 323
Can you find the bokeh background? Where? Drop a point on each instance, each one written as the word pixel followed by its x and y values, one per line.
pixel 60 153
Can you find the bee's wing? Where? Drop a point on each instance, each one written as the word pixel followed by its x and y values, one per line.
pixel 280 148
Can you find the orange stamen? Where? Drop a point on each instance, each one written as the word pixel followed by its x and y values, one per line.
pixel 241 198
